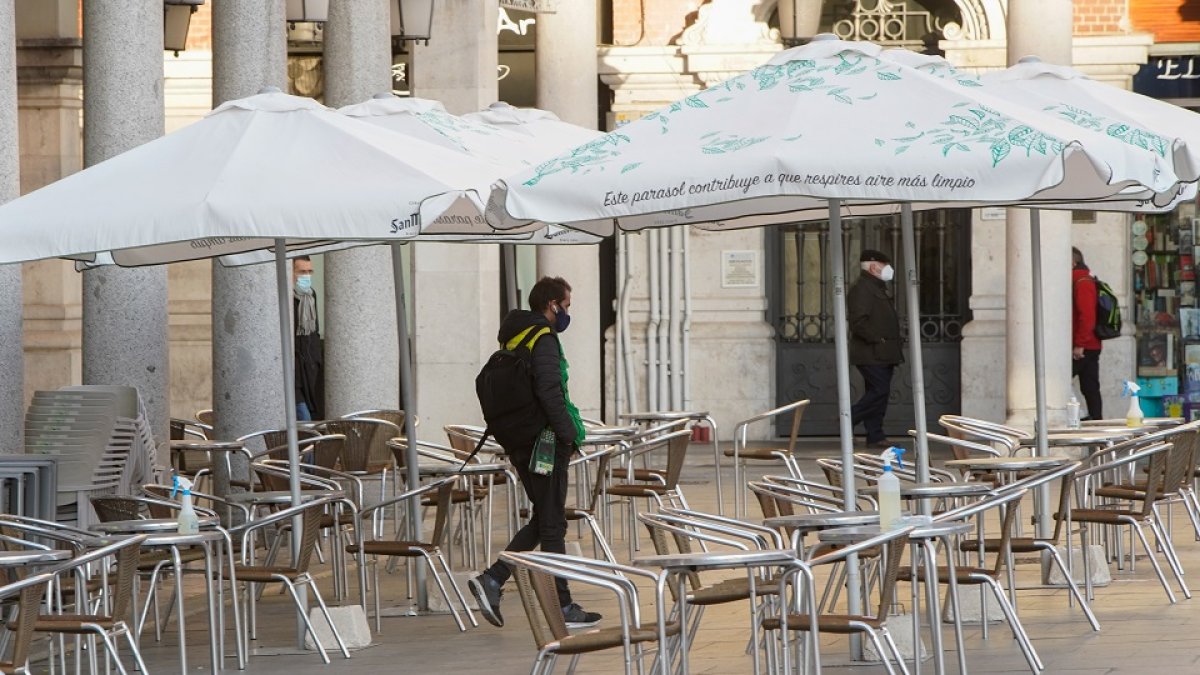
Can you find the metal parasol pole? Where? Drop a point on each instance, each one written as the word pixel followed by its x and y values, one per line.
pixel 846 430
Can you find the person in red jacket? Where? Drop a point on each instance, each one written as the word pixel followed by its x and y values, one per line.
pixel 1085 346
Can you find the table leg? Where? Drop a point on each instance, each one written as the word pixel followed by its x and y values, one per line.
pixel 712 425
pixel 181 625
pixel 934 607
pixel 915 563
pixel 952 584
pixel 754 622
pixel 684 644
pixel 214 635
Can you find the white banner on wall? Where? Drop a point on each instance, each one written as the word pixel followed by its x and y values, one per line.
pixel 538 6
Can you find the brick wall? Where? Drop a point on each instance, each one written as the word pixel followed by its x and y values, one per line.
pixel 200 32
pixel 651 22
pixel 1169 20
pixel 1101 16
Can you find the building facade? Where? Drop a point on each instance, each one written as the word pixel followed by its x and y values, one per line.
pixel 733 322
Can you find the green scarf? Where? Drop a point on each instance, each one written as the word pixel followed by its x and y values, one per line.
pixel 580 430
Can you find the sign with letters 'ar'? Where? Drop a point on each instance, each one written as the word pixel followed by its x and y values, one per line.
pixel 1169 77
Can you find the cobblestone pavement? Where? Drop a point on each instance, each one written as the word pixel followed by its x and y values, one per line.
pixel 1141 632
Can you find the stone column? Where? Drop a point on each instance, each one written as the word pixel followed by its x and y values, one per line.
pixel 567 81
pixel 49 90
pixel 455 287
pixel 1042 28
pixel 12 356
pixel 125 310
pixel 249 53
pixel 361 352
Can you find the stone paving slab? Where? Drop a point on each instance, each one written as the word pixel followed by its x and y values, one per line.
pixel 1141 631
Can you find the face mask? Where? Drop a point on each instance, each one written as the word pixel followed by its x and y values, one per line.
pixel 304 282
pixel 887 273
pixel 561 320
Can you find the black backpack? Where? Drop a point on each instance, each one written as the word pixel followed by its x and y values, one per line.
pixel 504 387
pixel 1108 313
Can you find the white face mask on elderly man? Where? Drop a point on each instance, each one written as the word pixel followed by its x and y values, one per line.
pixel 887 273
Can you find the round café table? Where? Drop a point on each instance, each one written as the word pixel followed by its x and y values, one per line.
pixel 923 539
pixel 1146 422
pixel 164 533
pixel 32 557
pixel 222 470
pixel 680 565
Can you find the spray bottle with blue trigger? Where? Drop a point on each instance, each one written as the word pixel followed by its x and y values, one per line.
pixel 189 522
pixel 889 489
pixel 1134 416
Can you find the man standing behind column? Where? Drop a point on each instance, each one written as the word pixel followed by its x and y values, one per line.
pixel 874 342
pixel 309 362
pixel 1085 346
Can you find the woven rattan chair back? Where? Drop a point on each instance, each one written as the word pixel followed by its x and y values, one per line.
pixel 356 449
pixel 272 481
pixel 542 632
pixel 663 546
pixel 310 529
pixel 1181 462
pixel 677 449
pixel 327 450
pixel 128 559
pixel 206 417
pixel 441 514
pixel 547 598
pixel 29 605
pixel 1156 477
pixel 889 572
pixel 111 508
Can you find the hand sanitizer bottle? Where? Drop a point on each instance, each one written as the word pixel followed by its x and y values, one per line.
pixel 1133 417
pixel 189 522
pixel 889 490
pixel 1073 412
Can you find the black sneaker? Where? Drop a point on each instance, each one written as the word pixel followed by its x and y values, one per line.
pixel 487 594
pixel 576 617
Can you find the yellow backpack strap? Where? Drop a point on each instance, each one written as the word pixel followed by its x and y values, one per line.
pixel 517 339
pixel 520 338
pixel 533 340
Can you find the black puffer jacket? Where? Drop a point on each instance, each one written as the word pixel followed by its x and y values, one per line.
pixel 874 327
pixel 547 384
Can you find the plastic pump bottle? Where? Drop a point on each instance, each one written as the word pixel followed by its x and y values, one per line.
pixel 189 523
pixel 1073 412
pixel 889 489
pixel 1134 417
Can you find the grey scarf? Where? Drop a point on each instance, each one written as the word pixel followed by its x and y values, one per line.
pixel 306 311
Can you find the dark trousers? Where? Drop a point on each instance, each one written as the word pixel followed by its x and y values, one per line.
pixel 547 526
pixel 871 408
pixel 1087 369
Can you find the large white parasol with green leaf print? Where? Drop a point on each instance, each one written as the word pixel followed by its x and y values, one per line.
pixel 830 120
pixel 1167 130
pixel 828 128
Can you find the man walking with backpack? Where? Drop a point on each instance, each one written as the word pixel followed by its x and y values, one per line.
pixel 539 440
pixel 1085 345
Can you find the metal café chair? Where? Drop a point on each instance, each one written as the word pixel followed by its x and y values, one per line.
pixel 661 494
pixel 801 614
pixel 742 451
pixel 107 623
pixel 1156 458
pixel 984 576
pixel 28 594
pixel 535 574
pixel 292 576
pixel 430 550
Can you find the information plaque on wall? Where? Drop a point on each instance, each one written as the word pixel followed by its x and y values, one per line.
pixel 739 269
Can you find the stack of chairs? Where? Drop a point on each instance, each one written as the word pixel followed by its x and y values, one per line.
pixel 100 440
